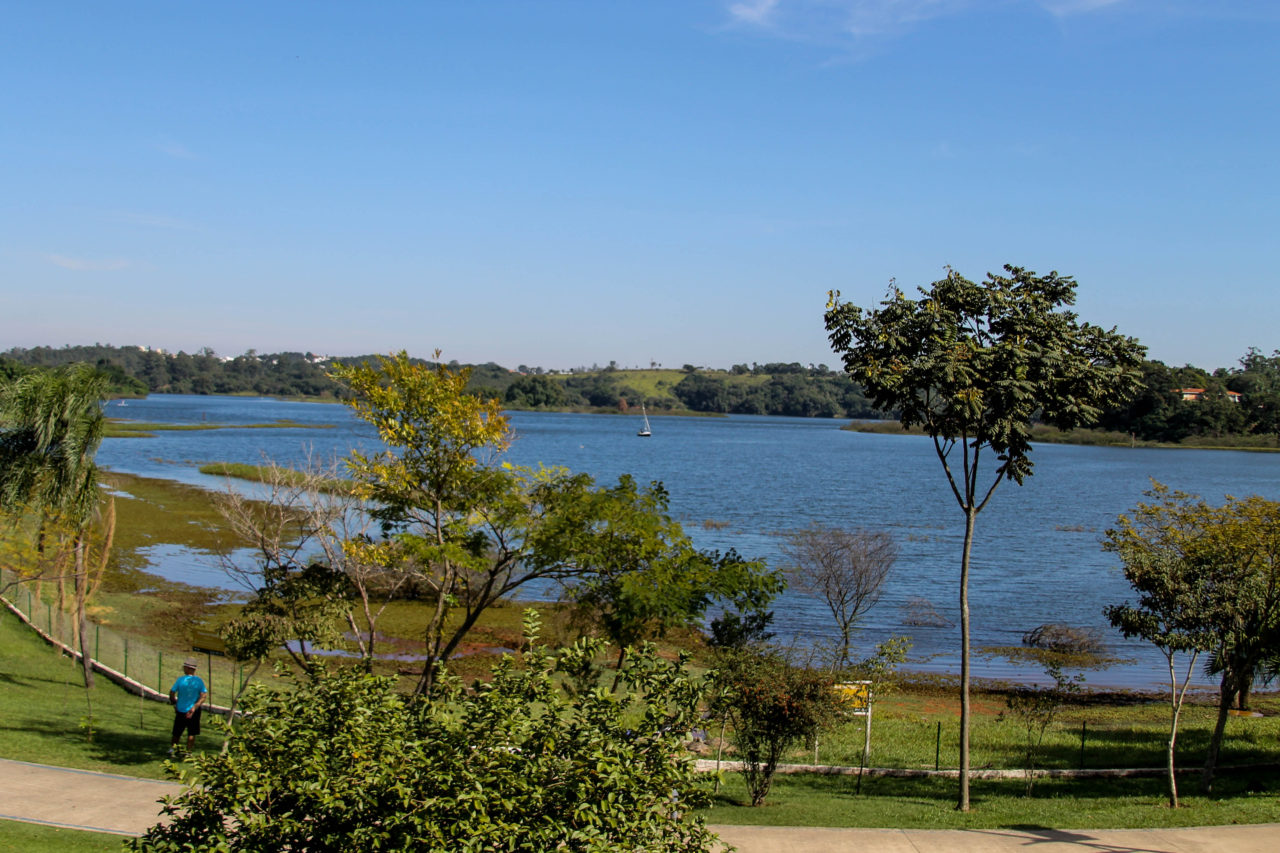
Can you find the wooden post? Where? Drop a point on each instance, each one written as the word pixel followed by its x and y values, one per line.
pixel 937 748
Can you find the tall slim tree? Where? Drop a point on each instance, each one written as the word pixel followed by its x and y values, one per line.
pixel 973 364
pixel 51 424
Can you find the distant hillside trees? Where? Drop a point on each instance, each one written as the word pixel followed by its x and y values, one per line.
pixel 1158 413
pixel 786 389
pixel 1161 412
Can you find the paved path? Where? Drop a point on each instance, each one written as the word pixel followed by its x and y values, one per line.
pixel 80 799
pixel 102 802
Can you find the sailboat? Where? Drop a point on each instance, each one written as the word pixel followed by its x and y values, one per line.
pixel 646 432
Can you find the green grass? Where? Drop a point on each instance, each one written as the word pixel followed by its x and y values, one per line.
pixel 117 428
pixel 1119 732
pixel 263 474
pixel 814 800
pixel 21 837
pixel 44 714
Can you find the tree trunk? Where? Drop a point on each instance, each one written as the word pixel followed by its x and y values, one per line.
pixel 969 518
pixel 1225 695
pixel 435 634
pixel 1173 732
pixel 81 617
pixel 1243 689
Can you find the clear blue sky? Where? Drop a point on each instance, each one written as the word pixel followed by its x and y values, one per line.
pixel 562 183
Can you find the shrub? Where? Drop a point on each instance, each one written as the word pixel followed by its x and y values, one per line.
pixel 771 706
pixel 540 758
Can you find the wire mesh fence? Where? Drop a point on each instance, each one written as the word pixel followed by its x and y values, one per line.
pixel 137 660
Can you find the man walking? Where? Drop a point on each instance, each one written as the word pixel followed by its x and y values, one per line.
pixel 187 694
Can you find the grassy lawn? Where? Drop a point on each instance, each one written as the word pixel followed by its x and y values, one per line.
pixel 44 715
pixel 812 800
pixel 17 837
pixel 1118 730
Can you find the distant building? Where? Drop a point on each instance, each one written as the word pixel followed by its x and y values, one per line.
pixel 1198 394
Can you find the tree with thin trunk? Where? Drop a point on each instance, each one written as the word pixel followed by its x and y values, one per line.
pixel 845 568
pixel 973 365
pixel 1208 581
pixel 51 424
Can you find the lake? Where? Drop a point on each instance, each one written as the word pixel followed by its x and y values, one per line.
pixel 739 482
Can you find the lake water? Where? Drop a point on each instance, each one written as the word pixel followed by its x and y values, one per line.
pixel 739 482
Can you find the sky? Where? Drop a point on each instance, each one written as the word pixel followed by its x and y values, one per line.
pixel 643 181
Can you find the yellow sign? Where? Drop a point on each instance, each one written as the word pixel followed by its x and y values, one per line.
pixel 208 642
pixel 857 694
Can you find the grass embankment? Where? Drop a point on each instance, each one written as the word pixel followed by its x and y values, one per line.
pixel 117 428
pixel 265 474
pixel 1098 437
pixel 46 717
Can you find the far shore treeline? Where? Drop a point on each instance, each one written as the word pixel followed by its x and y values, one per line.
pixel 1176 403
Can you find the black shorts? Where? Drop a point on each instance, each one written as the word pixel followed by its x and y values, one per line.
pixel 182 721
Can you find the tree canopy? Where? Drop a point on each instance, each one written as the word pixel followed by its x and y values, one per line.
pixel 973 364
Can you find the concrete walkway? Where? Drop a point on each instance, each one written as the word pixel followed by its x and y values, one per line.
pixel 103 802
pixel 80 799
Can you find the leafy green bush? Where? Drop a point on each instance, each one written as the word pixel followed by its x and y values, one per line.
pixel 771 705
pixel 540 758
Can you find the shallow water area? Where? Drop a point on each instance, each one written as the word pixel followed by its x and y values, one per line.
pixel 738 482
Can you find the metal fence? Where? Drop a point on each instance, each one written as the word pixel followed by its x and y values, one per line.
pixel 142 663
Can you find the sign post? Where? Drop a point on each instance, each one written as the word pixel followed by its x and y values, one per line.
pixel 857 699
pixel 210 644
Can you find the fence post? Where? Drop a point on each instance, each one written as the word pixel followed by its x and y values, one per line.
pixel 1083 728
pixel 159 672
pixel 48 617
pixel 937 748
pixel 97 637
pixel 126 656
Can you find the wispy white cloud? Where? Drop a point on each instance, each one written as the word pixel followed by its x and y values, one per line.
pixel 823 19
pixel 1063 8
pixel 753 11
pixel 87 264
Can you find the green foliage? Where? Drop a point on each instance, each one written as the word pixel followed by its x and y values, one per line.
pixel 977 362
pixel 770 705
pixel 535 392
pixel 51 424
pixel 644 577
pixel 473 530
pixel 517 764
pixel 973 364
pixel 1208 580
pixel 435 488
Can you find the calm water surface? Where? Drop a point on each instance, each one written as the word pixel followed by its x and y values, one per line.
pixel 738 482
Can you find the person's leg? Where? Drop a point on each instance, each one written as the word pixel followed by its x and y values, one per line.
pixel 193 729
pixel 178 721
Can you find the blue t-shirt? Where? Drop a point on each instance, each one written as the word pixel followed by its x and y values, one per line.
pixel 188 689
